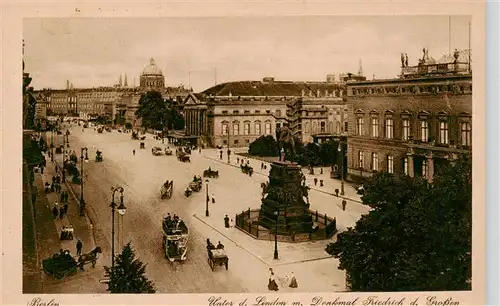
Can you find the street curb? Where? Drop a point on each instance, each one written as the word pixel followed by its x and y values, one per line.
pixel 263 174
pixel 255 255
pixel 225 236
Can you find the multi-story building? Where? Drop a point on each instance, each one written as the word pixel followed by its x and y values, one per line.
pixel 237 113
pixel 116 102
pixel 413 124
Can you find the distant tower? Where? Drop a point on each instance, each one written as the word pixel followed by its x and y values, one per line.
pixel 133 84
pixel 71 86
pixel 67 84
pixel 125 84
pixel 360 71
pixel 120 81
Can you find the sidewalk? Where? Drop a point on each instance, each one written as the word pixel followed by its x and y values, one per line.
pixel 49 229
pixel 329 184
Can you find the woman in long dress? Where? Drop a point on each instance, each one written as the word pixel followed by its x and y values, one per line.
pixel 272 282
pixel 293 282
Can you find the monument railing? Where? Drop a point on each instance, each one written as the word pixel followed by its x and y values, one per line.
pixel 324 227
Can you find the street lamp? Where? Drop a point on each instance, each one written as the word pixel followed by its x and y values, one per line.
pixel 121 210
pixel 82 202
pixel 228 149
pixel 341 168
pixel 277 214
pixel 207 200
pixel 52 144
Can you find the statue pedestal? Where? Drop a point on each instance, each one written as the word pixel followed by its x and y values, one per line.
pixel 284 207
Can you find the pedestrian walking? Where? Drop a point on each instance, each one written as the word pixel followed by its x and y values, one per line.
pixel 61 213
pixel 344 204
pixel 315 181
pixel 320 170
pixel 272 285
pixel 41 169
pixel 237 160
pixel 65 208
pixel 320 183
pixel 293 282
pixel 261 166
pixel 336 192
pixel 54 212
pixel 79 246
pixel 133 151
pixel 226 221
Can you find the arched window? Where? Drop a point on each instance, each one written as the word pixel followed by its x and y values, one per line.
pixel 236 128
pixel 246 128
pixel 258 130
pixel 330 127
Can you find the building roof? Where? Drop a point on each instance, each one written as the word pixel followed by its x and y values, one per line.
pixel 271 88
pixel 151 69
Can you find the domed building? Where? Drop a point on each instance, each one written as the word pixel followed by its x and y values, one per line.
pixel 152 76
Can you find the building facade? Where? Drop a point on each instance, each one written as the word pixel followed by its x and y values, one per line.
pixel 237 113
pixel 413 124
pixel 115 102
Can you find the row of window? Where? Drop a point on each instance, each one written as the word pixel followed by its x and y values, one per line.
pixel 277 112
pixel 389 160
pixel 424 135
pixel 313 128
pixel 246 128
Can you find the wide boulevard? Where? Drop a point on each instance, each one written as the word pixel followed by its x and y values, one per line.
pixel 142 174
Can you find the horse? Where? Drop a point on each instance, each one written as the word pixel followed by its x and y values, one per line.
pixel 92 257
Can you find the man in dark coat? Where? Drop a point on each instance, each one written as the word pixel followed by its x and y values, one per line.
pixel 79 246
pixel 226 221
pixel 54 212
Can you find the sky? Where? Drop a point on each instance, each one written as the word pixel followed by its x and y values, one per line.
pixel 200 52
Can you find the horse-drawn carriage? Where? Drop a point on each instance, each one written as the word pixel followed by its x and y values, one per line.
pixel 175 238
pixel 211 173
pixel 156 151
pixel 182 156
pixel 98 156
pixel 143 138
pixel 166 190
pixel 99 130
pixel 142 146
pixel 193 186
pixel 134 136
pixel 62 264
pixel 246 169
pixel 168 151
pixel 216 255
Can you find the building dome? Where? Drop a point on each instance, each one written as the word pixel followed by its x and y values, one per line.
pixel 151 69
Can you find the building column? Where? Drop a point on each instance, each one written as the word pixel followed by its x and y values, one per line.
pixel 430 166
pixel 411 165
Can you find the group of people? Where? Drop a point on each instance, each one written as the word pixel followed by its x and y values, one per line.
pixel 210 245
pixel 55 185
pixel 59 211
pixel 173 224
pixel 227 222
pixel 273 284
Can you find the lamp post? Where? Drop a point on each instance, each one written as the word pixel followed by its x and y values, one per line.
pixel 82 202
pixel 207 200
pixel 52 144
pixel 228 149
pixel 63 170
pixel 121 210
pixel 277 214
pixel 341 168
